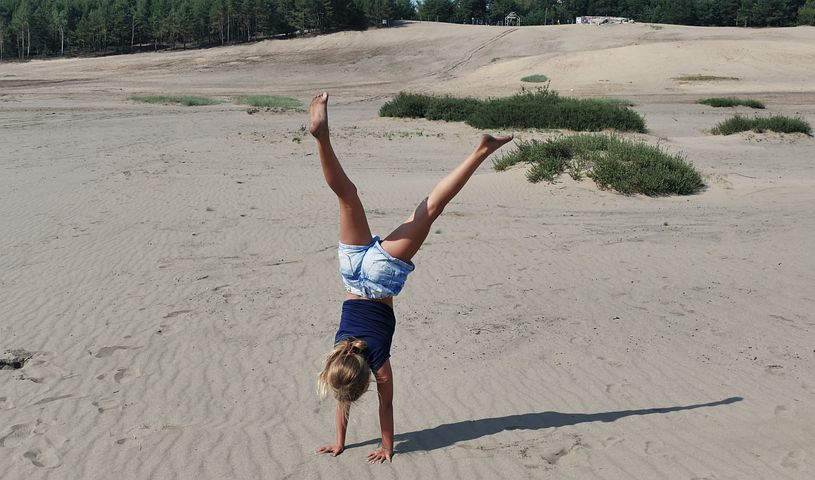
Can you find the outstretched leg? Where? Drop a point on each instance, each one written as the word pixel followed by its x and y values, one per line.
pixel 404 242
pixel 354 228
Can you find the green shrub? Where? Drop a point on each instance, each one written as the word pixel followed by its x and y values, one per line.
pixel 614 163
pixel 547 109
pixel 535 78
pixel 414 105
pixel 409 105
pixel 777 123
pixel 731 102
pixel 270 101
pixel 186 100
pixel 451 109
pixel 631 167
pixel 540 109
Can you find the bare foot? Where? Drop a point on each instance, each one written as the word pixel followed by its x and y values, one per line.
pixel 491 144
pixel 318 111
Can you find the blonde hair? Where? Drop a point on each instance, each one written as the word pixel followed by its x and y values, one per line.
pixel 346 372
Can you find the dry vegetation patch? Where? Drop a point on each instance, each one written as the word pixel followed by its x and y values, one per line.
pixel 186 100
pixel 702 78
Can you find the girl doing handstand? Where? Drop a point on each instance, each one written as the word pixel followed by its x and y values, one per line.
pixel 374 271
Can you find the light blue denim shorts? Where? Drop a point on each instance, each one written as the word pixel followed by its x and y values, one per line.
pixel 371 272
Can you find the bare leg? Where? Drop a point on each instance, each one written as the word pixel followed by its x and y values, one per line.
pixel 354 228
pixel 404 242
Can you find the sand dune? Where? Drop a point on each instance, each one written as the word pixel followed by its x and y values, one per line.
pixel 172 270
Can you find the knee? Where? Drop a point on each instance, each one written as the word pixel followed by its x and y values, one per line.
pixel 434 209
pixel 345 190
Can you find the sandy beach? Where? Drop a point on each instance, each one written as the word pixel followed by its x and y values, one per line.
pixel 173 272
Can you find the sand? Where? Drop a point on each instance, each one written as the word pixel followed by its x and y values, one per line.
pixel 173 270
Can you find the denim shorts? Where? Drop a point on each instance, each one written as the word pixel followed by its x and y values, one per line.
pixel 371 272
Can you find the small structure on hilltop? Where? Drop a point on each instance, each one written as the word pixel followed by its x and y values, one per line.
pixel 512 20
pixel 601 20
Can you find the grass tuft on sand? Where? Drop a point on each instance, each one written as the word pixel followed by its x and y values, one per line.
pixel 703 78
pixel 622 102
pixel 777 123
pixel 731 102
pixel 542 109
pixel 186 100
pixel 270 101
pixel 615 163
pixel 538 78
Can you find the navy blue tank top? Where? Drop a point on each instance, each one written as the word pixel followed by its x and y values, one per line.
pixel 371 321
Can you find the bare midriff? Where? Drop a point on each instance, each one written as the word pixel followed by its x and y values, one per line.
pixel 387 300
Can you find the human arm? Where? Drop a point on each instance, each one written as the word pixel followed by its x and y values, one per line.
pixel 341 419
pixel 384 387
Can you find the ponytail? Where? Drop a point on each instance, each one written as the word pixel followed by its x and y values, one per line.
pixel 346 372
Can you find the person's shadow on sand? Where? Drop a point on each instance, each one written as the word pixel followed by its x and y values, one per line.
pixel 451 433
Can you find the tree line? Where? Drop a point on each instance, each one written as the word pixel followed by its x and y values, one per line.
pixel 40 28
pixel 725 13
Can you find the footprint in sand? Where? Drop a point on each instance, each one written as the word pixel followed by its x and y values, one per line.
pixel 6 404
pixel 108 351
pixel 20 433
pixel 138 433
pixel 617 388
pixel 608 442
pixel 48 454
pixel 611 361
pixel 171 328
pixel 123 375
pixel 39 368
pixel 104 404
pixel 575 452
pixel 774 369
pixel 168 329
pixel 795 460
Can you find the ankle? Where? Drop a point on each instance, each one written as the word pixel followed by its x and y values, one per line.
pixel 483 151
pixel 321 135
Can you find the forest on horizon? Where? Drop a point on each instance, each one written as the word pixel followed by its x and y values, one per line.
pixel 44 28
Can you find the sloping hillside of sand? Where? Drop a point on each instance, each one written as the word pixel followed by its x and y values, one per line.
pixel 639 59
pixel 172 271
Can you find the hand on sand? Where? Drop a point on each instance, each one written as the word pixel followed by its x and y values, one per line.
pixel 334 450
pixel 380 455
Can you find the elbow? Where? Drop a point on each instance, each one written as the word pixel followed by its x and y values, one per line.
pixel 434 209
